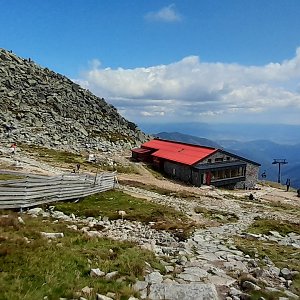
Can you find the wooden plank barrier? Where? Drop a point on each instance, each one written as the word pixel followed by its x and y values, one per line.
pixel 35 190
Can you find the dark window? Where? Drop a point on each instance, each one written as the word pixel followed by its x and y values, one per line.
pixel 227 157
pixel 209 160
pixel 218 159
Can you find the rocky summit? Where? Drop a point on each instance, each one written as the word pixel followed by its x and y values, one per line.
pixel 41 107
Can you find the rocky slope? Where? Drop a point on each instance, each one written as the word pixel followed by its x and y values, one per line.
pixel 39 106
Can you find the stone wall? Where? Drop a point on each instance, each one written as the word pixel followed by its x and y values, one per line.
pixel 251 169
pixel 251 177
pixel 39 106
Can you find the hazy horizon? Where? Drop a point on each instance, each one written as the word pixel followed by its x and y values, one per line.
pixel 277 133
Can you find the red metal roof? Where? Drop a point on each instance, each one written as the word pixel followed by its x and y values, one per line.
pixel 141 150
pixel 178 152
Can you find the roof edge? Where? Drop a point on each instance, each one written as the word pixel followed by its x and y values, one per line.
pixel 240 157
pixel 182 143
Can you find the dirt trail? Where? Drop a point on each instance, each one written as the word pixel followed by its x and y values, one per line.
pixel 146 177
pixel 22 163
pixel 263 193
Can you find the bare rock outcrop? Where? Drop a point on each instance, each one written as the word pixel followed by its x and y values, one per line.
pixel 41 107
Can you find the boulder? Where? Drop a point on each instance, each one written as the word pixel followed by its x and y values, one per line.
pixel 111 275
pixel 96 273
pixel 103 297
pixel 87 290
pixel 190 291
pixel 250 286
pixel 52 235
pixel 286 273
pixel 154 277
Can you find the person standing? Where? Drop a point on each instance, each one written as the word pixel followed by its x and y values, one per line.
pixel 288 183
pixel 13 148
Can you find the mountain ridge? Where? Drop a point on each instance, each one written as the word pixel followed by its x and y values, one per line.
pixel 41 107
pixel 186 138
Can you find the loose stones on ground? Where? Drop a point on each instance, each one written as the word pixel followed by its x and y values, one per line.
pixel 199 264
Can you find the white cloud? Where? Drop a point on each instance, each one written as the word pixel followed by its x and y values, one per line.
pixel 165 14
pixel 191 90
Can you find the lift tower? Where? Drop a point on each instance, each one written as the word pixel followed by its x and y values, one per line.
pixel 279 162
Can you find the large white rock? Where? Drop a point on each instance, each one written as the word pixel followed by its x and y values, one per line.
pixel 154 277
pixel 87 290
pixel 235 265
pixel 96 273
pixel 275 234
pixel 250 286
pixel 189 277
pixel 191 291
pixel 35 211
pixel 111 275
pixel 196 271
pixel 20 220
pixel 93 233
pixel 221 280
pixel 102 297
pixel 140 285
pixel 52 235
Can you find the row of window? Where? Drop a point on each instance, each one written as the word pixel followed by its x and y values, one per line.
pixel 231 173
pixel 219 159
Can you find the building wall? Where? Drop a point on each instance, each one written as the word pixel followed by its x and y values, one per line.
pixel 184 173
pixel 251 177
pixel 251 170
pixel 178 171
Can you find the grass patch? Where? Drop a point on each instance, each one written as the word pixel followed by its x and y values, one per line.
pixel 10 177
pixel 275 185
pixel 263 294
pixel 120 168
pixel 280 206
pixel 33 268
pixel 274 205
pixel 69 160
pixel 53 155
pixel 263 226
pixel 213 214
pixel 282 256
pixel 159 190
pixel 109 203
pixel 154 172
pixel 59 158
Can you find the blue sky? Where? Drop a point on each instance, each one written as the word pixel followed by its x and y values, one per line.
pixel 169 61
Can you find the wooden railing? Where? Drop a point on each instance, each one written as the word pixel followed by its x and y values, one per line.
pixel 34 190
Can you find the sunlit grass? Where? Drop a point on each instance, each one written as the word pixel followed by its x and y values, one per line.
pixel 10 177
pixel 282 256
pixel 109 203
pixel 220 216
pixel 32 267
pixel 263 226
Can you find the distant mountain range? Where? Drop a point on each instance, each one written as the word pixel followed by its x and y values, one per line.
pixel 261 151
pixel 185 138
pixel 277 133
